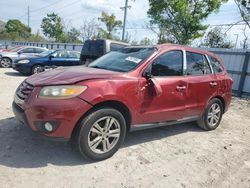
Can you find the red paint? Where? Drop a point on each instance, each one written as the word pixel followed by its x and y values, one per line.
pixel 178 97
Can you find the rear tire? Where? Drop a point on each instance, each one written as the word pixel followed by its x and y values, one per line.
pixel 100 134
pixel 212 116
pixel 6 62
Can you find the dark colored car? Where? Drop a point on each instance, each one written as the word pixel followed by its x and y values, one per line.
pixel 133 88
pixel 93 49
pixel 46 59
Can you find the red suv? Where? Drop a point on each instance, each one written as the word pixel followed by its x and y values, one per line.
pixel 134 88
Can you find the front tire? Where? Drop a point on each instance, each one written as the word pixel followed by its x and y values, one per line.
pixel 212 116
pixel 6 62
pixel 37 69
pixel 101 134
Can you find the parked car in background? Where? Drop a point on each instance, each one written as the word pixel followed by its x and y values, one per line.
pixel 93 49
pixel 46 59
pixel 7 58
pixel 11 48
pixel 133 88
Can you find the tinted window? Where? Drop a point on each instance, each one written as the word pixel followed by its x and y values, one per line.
pixel 168 64
pixel 115 47
pixel 197 64
pixel 217 67
pixel 93 48
pixel 28 50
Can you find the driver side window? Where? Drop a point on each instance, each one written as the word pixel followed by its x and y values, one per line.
pixel 168 64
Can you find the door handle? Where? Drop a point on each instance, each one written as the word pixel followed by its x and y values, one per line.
pixel 180 88
pixel 213 84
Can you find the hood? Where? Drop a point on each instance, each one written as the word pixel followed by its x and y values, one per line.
pixel 37 58
pixel 70 75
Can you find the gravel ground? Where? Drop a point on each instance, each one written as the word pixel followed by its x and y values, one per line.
pixel 174 156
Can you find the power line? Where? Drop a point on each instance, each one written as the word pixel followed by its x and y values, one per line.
pixel 45 6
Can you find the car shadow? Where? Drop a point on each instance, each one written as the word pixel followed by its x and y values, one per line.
pixel 17 74
pixel 22 148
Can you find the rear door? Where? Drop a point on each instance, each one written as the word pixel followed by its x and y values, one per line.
pixel 73 58
pixel 167 70
pixel 201 82
pixel 59 58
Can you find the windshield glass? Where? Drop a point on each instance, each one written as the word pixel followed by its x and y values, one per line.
pixel 124 60
pixel 45 53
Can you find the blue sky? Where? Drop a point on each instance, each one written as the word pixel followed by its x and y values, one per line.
pixel 75 11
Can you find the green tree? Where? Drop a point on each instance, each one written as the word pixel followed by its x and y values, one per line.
pixel 15 28
pixel 146 41
pixel 2 26
pixel 244 9
pixel 215 38
pixel 182 19
pixel 52 26
pixel 111 25
pixel 71 36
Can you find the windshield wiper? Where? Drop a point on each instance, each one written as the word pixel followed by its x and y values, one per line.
pixel 106 68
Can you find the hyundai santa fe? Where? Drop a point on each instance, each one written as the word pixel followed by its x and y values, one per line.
pixel 134 88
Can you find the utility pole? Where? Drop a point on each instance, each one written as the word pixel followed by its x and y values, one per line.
pixel 237 36
pixel 28 16
pixel 125 8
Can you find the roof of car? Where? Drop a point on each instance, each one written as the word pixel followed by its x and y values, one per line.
pixel 33 47
pixel 170 45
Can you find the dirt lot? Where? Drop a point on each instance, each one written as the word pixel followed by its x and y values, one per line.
pixel 173 156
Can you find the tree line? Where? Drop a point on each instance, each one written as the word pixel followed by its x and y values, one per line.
pixel 174 21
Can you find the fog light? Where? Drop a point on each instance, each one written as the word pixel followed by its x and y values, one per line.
pixel 48 126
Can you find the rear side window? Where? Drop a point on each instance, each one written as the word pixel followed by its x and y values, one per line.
pixel 217 67
pixel 93 48
pixel 168 64
pixel 28 50
pixel 75 55
pixel 197 64
pixel 39 50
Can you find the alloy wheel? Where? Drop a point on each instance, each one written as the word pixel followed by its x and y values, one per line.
pixel 5 63
pixel 104 135
pixel 214 114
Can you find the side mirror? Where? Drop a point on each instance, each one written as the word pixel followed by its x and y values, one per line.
pixel 157 90
pixel 153 84
pixel 19 52
pixel 147 75
pixel 51 56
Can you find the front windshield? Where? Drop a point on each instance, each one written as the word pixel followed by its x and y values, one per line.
pixel 45 53
pixel 124 60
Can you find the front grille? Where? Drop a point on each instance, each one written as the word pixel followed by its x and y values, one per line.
pixel 24 90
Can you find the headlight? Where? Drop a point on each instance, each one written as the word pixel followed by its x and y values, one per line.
pixel 61 92
pixel 24 61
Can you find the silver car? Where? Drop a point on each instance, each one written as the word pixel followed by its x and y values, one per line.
pixel 7 58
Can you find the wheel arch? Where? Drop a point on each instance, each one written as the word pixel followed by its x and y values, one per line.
pixel 121 107
pixel 222 101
